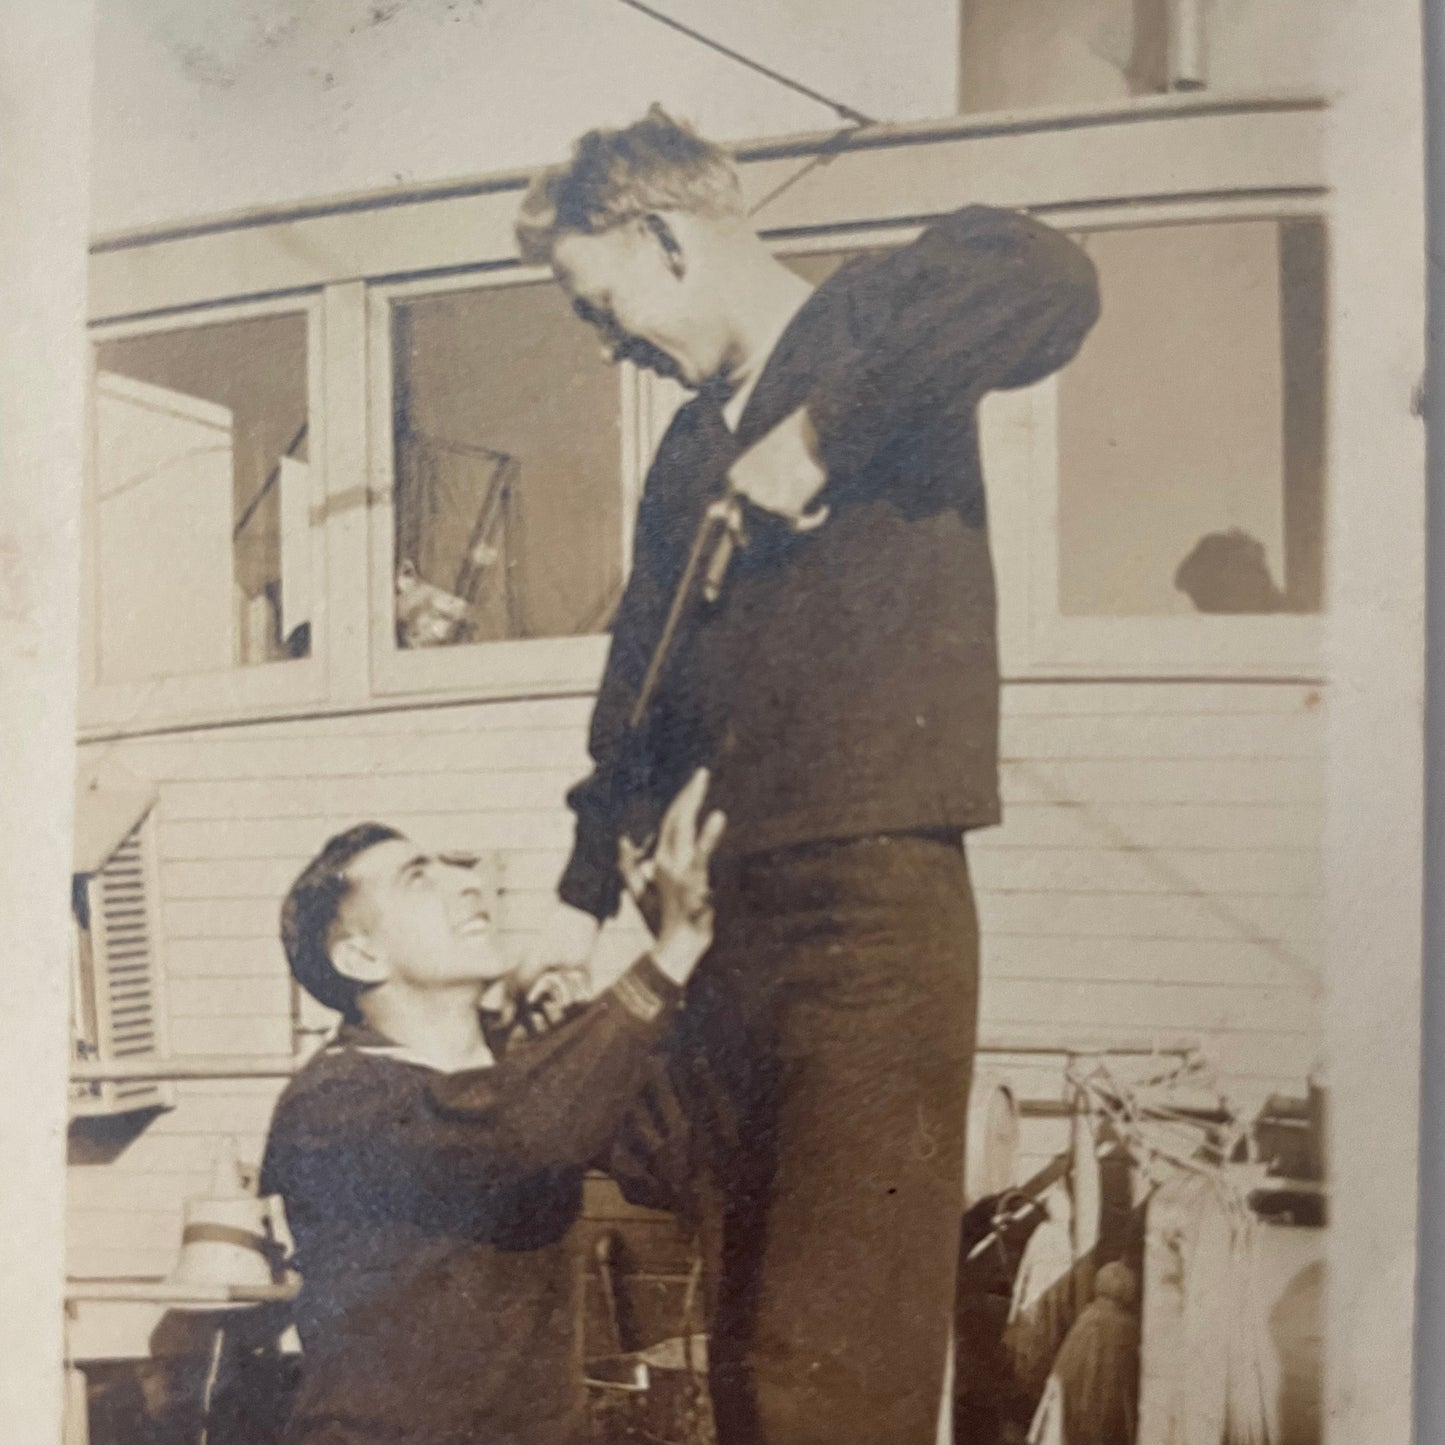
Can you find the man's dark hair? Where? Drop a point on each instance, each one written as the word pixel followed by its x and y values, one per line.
pixel 655 164
pixel 308 917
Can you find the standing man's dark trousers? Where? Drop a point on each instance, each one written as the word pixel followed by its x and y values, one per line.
pixel 826 1054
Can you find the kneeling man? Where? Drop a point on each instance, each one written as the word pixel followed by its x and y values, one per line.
pixel 429 1179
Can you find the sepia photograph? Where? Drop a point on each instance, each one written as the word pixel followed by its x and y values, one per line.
pixel 719 721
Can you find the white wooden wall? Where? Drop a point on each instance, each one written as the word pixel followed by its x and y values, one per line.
pixel 1157 875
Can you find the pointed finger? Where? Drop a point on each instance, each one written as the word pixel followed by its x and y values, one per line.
pixel 709 837
pixel 629 864
pixel 679 827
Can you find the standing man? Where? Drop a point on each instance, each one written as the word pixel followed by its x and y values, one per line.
pixel 843 689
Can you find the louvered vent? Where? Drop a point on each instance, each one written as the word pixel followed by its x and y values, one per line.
pixel 119 1015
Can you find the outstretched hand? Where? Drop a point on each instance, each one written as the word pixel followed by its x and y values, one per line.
pixel 670 887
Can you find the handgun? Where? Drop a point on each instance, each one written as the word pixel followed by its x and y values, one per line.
pixel 719 534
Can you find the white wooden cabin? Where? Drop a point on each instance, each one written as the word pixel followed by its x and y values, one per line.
pixel 365 364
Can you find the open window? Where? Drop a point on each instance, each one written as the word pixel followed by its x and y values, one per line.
pixel 205 563
pixel 506 447
pixel 1190 426
pixel 1161 499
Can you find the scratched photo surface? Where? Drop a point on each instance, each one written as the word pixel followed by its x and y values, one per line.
pixel 748 761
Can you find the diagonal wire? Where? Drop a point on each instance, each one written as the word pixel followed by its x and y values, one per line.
pixel 1241 927
pixel 832 147
pixel 845 112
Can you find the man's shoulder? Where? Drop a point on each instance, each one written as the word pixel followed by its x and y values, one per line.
pixel 326 1104
pixel 880 268
pixel 334 1083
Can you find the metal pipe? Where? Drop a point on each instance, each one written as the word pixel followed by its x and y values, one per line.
pixel 1185 53
pixel 196 1066
pixel 1118 1046
pixel 282 1066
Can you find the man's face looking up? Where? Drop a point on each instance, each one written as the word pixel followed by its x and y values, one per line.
pixel 429 917
pixel 639 290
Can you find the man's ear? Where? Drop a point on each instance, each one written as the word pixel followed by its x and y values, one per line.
pixel 356 957
pixel 661 231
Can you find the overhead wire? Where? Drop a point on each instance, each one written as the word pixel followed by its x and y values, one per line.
pixel 845 112
pixel 854 120
pixel 833 146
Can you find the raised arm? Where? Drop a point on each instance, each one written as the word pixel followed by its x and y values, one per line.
pixel 983 300
pixel 558 1100
pixel 361 1138
pixel 380 1139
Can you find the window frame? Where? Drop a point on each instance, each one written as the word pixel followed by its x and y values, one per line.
pixel 1051 643
pixel 1086 169
pixel 542 666
pixel 241 689
pixel 1037 641
pixel 1019 434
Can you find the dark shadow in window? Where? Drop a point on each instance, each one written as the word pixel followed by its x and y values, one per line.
pixel 1229 572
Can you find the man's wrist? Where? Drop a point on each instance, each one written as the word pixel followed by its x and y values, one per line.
pixel 646 992
pixel 782 472
pixel 676 954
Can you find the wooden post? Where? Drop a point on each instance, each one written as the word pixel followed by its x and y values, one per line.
pixel 76 1429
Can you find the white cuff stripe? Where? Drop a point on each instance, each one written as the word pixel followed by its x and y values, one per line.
pixel 637 998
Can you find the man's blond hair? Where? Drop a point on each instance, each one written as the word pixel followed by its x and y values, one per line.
pixel 614 176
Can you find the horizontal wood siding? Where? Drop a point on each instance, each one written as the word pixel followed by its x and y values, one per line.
pixel 1157 876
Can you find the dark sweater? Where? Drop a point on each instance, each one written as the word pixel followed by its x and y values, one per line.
pixel 429 1212
pixel 847 681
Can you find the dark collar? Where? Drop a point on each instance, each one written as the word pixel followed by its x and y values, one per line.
pixel 359 1035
